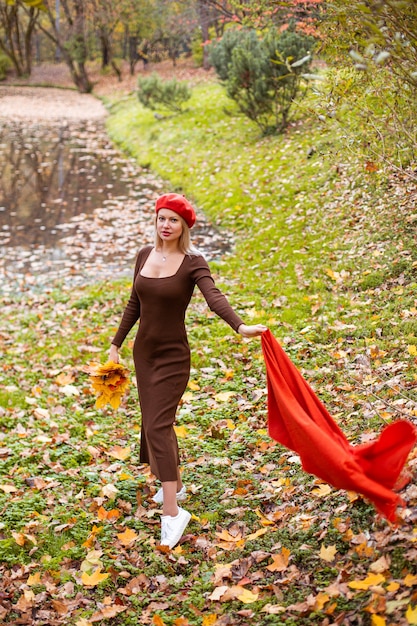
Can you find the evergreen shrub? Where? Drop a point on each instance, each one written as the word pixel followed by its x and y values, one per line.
pixel 263 75
pixel 154 93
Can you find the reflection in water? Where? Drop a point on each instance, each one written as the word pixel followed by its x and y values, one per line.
pixel 73 209
pixel 49 175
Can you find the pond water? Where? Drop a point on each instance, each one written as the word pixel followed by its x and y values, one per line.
pixel 72 208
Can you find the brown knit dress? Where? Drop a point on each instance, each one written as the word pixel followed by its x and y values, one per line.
pixel 161 352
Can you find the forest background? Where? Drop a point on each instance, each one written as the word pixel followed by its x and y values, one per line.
pixel 321 214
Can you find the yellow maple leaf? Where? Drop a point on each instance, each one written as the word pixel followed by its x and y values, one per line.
pixel 370 581
pixel 321 491
pixel 193 385
pixel 91 580
pixel 158 621
pixel 411 615
pixel 320 600
pixel 209 620
pixel 327 553
pixel 119 453
pixel 280 561
pixel 34 579
pixel 256 534
pixel 377 620
pixel 410 580
pixel 247 596
pixel 181 431
pixel 412 349
pixel 127 537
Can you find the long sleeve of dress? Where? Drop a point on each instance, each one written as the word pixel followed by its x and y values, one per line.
pixel 131 313
pixel 216 300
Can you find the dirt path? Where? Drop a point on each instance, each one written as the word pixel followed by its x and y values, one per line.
pixel 47 103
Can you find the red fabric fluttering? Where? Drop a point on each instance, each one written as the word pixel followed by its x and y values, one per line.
pixel 298 420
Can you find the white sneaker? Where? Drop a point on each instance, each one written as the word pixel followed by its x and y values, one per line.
pixel 172 528
pixel 181 495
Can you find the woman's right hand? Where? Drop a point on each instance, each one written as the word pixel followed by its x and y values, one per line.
pixel 114 353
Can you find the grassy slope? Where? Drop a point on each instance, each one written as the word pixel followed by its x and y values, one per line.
pixel 323 255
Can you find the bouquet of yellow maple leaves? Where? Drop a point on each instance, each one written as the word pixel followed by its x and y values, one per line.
pixel 110 381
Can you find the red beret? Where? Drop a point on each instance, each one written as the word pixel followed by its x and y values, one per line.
pixel 179 204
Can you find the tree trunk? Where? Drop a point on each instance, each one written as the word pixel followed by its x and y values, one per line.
pixel 204 26
pixel 133 53
pixel 105 50
pixel 28 40
pixel 74 47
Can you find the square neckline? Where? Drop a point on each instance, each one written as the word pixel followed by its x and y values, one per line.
pixel 158 277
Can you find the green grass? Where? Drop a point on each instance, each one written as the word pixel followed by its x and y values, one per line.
pixel 326 259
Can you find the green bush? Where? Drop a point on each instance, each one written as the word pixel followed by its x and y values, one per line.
pixel 5 65
pixel 263 75
pixel 154 93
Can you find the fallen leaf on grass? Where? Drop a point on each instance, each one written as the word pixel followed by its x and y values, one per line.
pixel 320 600
pixel 60 607
pixel 247 596
pixel 321 491
pixel 224 396
pixel 22 538
pixel 265 521
pixel 107 612
pixel 8 488
pixel 256 534
pixel 237 592
pixel 327 553
pixel 120 453
pixel 109 491
pixel 64 378
pixel 370 581
pixel 411 615
pixel 127 537
pixel 91 580
pixel 34 579
pixel 218 593
pixel 110 516
pixel 280 561
pixel 181 431
pixel 273 609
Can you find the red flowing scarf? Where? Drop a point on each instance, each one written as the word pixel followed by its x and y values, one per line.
pixel 298 420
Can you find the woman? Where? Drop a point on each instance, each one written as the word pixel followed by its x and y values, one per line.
pixel 164 280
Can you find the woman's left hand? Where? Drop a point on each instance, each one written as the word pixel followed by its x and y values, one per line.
pixel 251 331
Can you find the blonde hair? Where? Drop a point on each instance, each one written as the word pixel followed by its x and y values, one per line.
pixel 184 242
